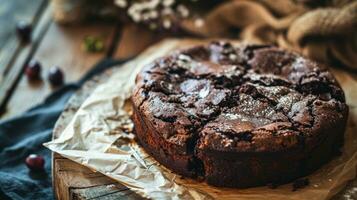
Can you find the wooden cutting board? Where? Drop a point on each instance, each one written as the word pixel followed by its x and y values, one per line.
pixel 74 181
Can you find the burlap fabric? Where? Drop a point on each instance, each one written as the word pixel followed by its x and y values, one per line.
pixel 326 33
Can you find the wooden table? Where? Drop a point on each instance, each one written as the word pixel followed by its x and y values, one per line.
pixel 53 44
pixel 73 181
pixel 56 45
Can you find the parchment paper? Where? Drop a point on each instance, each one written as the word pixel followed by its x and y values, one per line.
pixel 100 137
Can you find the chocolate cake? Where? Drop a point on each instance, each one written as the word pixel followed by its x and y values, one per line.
pixel 239 116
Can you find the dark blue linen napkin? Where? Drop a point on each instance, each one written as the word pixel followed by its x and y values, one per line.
pixel 25 134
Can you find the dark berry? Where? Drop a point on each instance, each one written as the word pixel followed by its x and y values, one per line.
pixel 55 76
pixel 300 183
pixel 35 162
pixel 23 30
pixel 33 70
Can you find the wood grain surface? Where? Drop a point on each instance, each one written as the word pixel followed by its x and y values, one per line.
pixel 61 46
pixel 73 181
pixel 13 53
pixel 10 13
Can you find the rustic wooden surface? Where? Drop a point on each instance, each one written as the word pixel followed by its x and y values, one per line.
pixel 58 45
pixel 13 54
pixel 73 181
pixel 53 44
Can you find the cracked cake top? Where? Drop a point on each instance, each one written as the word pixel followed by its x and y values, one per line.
pixel 245 98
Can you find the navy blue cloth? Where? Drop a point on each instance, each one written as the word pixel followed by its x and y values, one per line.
pixel 25 134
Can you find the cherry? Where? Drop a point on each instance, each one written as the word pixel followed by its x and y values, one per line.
pixel 24 30
pixel 33 70
pixel 55 76
pixel 35 162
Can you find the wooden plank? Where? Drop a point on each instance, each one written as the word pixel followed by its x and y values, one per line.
pixel 8 80
pixel 69 174
pixel 10 13
pixel 61 46
pixel 73 181
pixel 104 192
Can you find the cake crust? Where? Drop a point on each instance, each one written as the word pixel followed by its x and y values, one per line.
pixel 239 116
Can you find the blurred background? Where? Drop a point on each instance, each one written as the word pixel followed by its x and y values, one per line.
pixel 65 38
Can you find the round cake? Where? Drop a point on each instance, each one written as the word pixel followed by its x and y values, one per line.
pixel 239 115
